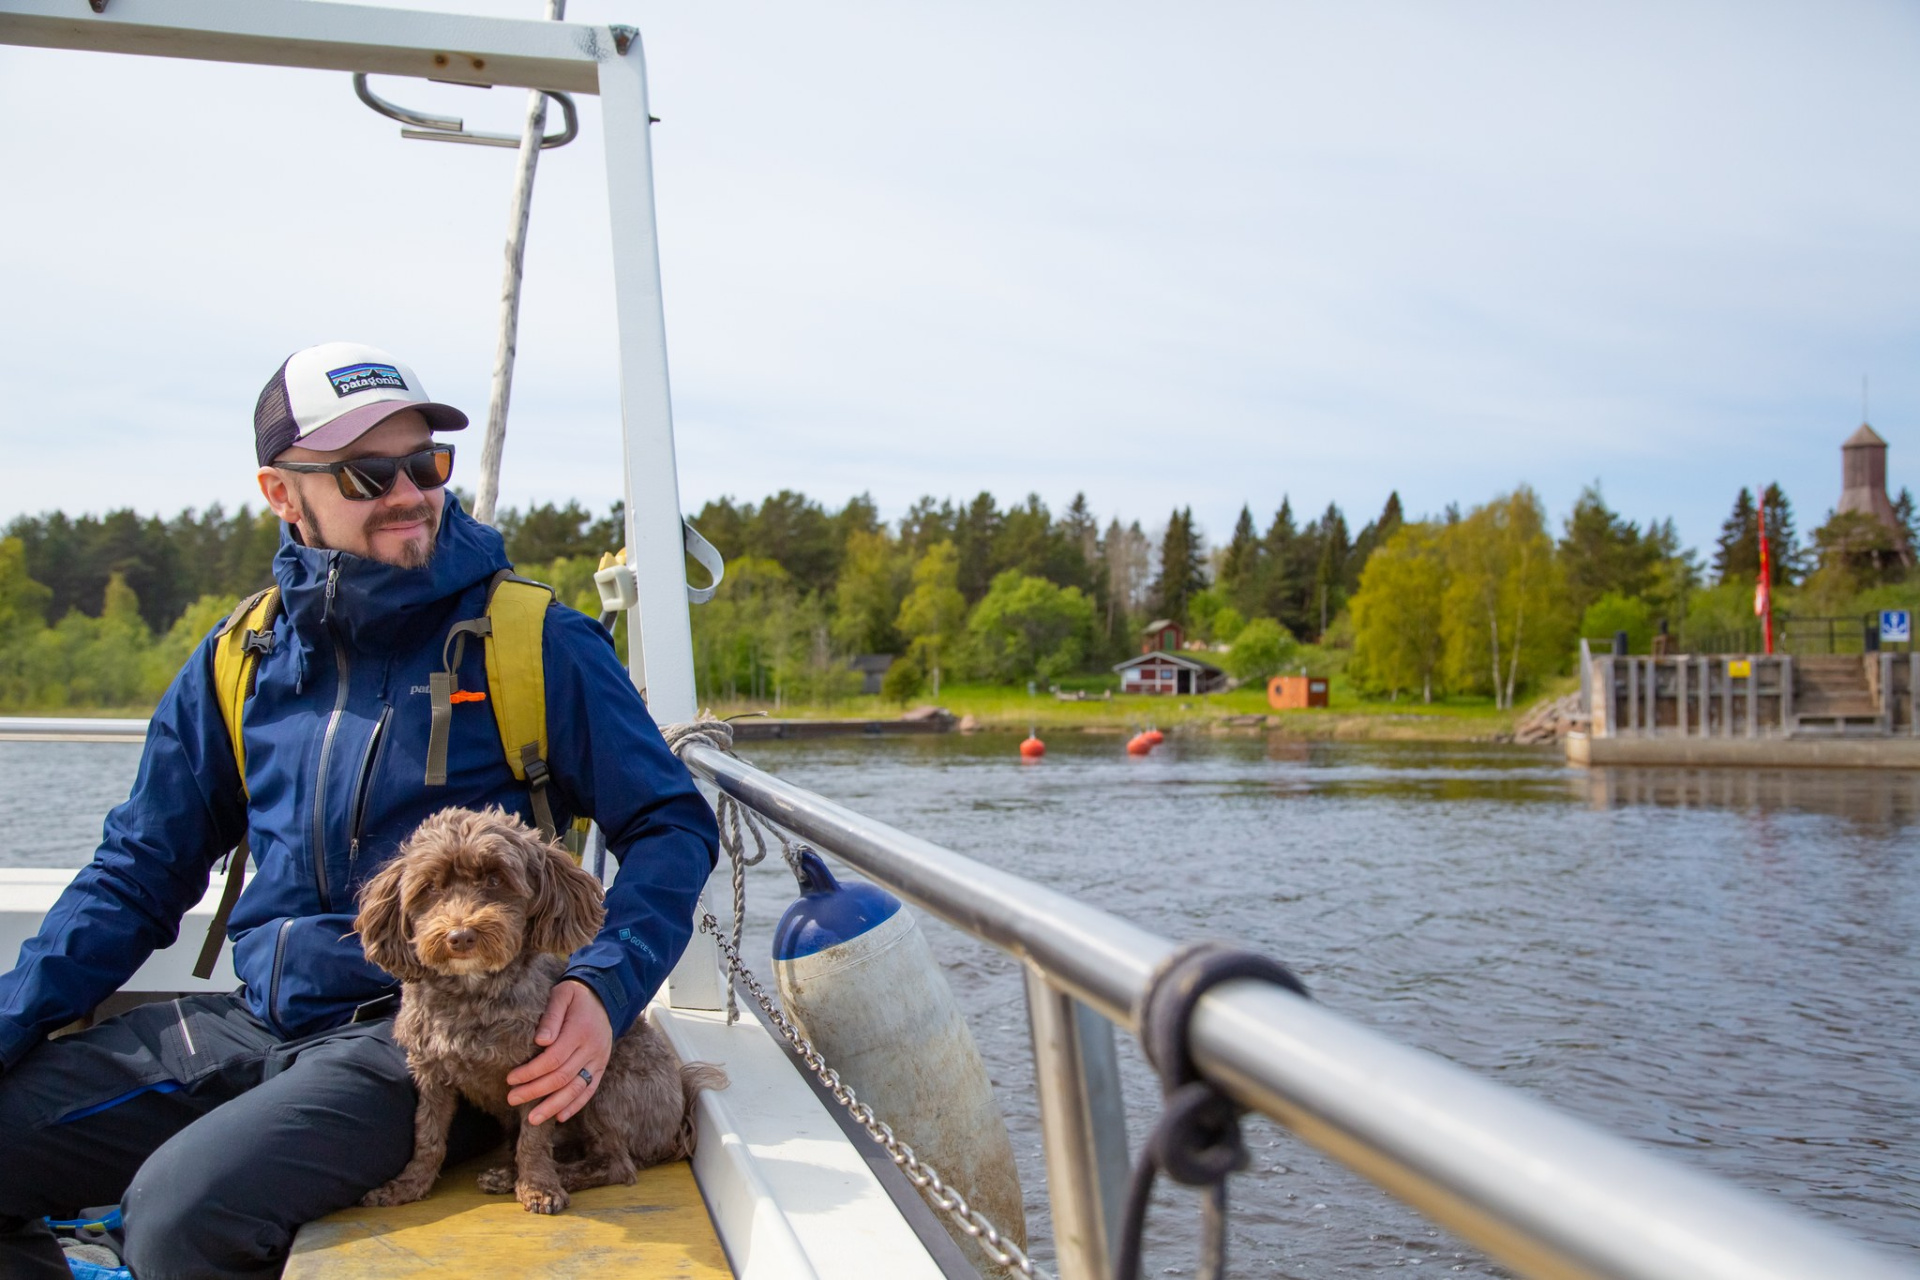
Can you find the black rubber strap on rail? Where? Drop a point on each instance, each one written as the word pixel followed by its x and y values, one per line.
pixel 1197 1140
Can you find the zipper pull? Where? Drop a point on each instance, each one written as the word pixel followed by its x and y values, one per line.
pixel 333 581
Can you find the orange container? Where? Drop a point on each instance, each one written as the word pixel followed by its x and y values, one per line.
pixel 1294 693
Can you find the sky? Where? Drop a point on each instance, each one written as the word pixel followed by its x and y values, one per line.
pixel 1202 255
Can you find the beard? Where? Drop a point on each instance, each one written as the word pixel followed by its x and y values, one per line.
pixel 410 555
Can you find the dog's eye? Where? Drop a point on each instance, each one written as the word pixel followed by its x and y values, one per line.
pixel 493 882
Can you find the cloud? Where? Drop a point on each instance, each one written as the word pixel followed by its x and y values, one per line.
pixel 1168 257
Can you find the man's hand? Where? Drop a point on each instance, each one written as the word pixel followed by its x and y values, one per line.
pixel 576 1034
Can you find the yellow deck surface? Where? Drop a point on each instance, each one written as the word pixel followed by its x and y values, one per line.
pixel 657 1227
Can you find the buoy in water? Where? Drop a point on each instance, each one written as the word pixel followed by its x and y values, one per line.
pixel 1139 745
pixel 1154 737
pixel 1032 748
pixel 857 975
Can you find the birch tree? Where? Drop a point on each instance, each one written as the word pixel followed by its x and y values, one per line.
pixel 1505 601
pixel 1398 616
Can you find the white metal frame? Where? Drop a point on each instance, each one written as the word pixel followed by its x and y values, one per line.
pixel 487 51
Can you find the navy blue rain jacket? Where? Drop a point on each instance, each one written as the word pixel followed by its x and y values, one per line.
pixel 336 739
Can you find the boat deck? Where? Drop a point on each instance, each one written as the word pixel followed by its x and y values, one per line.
pixel 656 1228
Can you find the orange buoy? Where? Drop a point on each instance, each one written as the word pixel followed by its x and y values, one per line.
pixel 1032 748
pixel 1154 737
pixel 1139 745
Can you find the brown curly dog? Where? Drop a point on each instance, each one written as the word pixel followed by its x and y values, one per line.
pixel 475 915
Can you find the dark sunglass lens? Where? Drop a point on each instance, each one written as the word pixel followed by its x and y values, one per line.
pixel 431 468
pixel 367 478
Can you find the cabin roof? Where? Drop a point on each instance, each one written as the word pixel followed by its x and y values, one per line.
pixel 1158 625
pixel 1166 655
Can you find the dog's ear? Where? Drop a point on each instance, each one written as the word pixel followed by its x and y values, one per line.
pixel 382 924
pixel 566 911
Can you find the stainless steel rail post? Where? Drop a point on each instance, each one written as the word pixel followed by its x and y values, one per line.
pixel 1083 1123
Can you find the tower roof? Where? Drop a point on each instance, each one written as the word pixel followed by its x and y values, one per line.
pixel 1864 436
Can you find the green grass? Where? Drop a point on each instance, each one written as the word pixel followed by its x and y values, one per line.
pixel 1348 715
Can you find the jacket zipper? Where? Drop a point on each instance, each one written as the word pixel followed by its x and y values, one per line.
pixel 363 789
pixel 326 746
pixel 273 986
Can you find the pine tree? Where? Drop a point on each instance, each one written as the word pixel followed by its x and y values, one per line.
pixel 1281 583
pixel 1240 566
pixel 974 536
pixel 1182 567
pixel 1788 558
pixel 1370 539
pixel 1903 510
pixel 1329 572
pixel 1602 553
pixel 1736 556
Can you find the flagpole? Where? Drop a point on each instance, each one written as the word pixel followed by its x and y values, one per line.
pixel 1763 594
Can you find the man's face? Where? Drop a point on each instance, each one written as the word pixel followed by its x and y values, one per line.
pixel 397 529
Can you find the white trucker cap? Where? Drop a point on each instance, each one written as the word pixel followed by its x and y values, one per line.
pixel 328 396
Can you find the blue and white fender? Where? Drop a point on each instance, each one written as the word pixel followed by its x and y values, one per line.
pixel 856 973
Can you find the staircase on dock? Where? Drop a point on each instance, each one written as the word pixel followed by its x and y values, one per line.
pixel 1833 695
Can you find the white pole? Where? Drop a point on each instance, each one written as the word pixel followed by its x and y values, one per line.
pixel 531 132
pixel 659 633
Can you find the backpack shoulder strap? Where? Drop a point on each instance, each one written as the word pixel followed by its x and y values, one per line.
pixel 517 681
pixel 238 643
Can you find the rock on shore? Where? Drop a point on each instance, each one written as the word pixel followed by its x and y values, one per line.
pixel 1551 720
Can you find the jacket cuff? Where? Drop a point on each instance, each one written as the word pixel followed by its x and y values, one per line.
pixel 610 986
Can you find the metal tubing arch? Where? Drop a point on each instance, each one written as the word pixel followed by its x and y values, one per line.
pixel 1542 1192
pixel 531 53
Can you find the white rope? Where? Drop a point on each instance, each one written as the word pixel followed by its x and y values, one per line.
pixel 736 822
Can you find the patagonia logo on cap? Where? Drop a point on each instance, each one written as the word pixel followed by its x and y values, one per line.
pixel 355 378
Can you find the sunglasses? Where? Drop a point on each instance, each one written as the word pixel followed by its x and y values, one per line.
pixel 364 479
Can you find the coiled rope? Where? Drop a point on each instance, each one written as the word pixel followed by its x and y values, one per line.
pixel 736 821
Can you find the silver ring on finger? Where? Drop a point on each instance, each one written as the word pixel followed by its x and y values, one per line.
pixel 587 1076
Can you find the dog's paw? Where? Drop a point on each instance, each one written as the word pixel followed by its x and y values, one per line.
pixel 399 1191
pixel 497 1181
pixel 541 1199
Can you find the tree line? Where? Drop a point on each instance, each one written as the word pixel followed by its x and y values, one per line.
pixel 99 611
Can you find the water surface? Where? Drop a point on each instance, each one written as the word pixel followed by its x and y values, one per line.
pixel 1716 964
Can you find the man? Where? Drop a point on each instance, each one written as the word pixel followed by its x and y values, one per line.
pixel 221 1123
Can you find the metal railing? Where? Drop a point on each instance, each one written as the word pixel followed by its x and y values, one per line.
pixel 1543 1193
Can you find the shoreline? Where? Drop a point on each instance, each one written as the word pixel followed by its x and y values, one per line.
pixel 1208 715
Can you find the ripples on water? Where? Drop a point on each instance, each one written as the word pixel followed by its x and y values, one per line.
pixel 1716 964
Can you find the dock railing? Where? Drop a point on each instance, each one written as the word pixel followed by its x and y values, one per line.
pixel 1743 695
pixel 1541 1192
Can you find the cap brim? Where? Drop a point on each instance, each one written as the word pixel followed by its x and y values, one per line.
pixel 354 423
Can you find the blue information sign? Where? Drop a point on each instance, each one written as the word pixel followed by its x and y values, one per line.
pixel 1896 625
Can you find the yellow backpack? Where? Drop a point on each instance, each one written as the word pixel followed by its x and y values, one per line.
pixel 512 629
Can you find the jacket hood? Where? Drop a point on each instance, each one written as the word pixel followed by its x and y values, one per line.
pixel 377 605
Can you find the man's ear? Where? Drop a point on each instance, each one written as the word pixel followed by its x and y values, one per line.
pixel 278 490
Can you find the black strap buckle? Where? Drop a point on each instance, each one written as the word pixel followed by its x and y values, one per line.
pixel 377 1008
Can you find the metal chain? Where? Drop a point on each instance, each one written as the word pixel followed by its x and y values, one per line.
pixel 923 1175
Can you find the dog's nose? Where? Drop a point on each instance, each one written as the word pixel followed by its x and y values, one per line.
pixel 461 941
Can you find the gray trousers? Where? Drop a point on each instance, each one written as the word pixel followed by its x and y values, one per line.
pixel 217 1138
